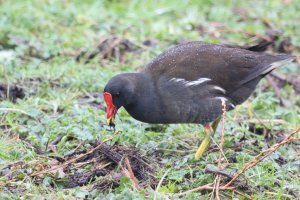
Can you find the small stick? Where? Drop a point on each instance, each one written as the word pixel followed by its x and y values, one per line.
pixel 242 194
pixel 218 176
pixel 107 52
pixel 251 34
pixel 16 110
pixel 263 121
pixel 203 187
pixel 77 158
pixel 214 188
pixel 128 172
pixel 211 171
pixel 263 155
pixel 160 182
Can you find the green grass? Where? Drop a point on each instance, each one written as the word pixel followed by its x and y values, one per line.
pixel 43 39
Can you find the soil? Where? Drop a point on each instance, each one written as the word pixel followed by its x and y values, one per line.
pixel 22 88
pixel 11 92
pixel 101 168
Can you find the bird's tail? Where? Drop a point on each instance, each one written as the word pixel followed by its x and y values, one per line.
pixel 271 62
pixel 282 60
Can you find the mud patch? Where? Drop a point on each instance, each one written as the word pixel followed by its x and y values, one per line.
pixel 27 87
pixel 269 134
pixel 99 167
pixel 11 92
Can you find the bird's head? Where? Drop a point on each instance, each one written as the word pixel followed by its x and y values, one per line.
pixel 118 92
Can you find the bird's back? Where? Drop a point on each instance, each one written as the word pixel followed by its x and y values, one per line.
pixel 193 79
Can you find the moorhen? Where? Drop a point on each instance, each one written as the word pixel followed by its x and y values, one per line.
pixel 188 84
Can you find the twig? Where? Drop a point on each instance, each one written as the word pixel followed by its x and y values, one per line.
pixel 222 173
pixel 128 172
pixel 111 46
pixel 16 110
pixel 160 182
pixel 218 176
pixel 176 151
pixel 251 34
pixel 203 187
pixel 77 158
pixel 263 121
pixel 295 139
pixel 242 194
pixel 275 194
pixel 214 188
pixel 57 140
pixel 263 155
pixel 253 162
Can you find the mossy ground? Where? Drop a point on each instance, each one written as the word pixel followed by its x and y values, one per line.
pixel 56 57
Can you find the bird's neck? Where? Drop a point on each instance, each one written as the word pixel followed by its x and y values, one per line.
pixel 145 106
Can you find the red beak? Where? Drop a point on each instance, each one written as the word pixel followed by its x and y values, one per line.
pixel 111 108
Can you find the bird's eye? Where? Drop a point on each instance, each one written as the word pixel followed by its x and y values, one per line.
pixel 117 94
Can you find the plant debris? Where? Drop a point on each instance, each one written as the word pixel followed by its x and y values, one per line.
pixel 22 88
pixel 16 190
pixel 101 168
pixel 8 41
pixel 282 79
pixel 269 135
pixel 108 48
pixel 92 99
pixel 11 92
pixel 26 49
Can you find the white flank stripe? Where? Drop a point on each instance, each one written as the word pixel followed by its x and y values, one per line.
pixel 223 100
pixel 220 89
pixel 180 80
pixel 190 83
pixel 197 82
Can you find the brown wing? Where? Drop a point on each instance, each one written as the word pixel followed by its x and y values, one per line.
pixel 227 67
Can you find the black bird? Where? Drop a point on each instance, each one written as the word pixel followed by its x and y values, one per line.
pixel 188 84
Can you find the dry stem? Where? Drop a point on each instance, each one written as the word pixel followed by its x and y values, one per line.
pixel 215 186
pixel 251 34
pixel 77 158
pixel 128 172
pixel 263 155
pixel 160 183
pixel 218 176
pixel 203 187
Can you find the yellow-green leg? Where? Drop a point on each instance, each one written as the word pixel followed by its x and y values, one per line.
pixel 209 132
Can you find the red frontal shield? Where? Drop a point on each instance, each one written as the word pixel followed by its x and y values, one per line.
pixel 111 108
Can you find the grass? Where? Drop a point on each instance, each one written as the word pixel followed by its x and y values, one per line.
pixel 39 42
